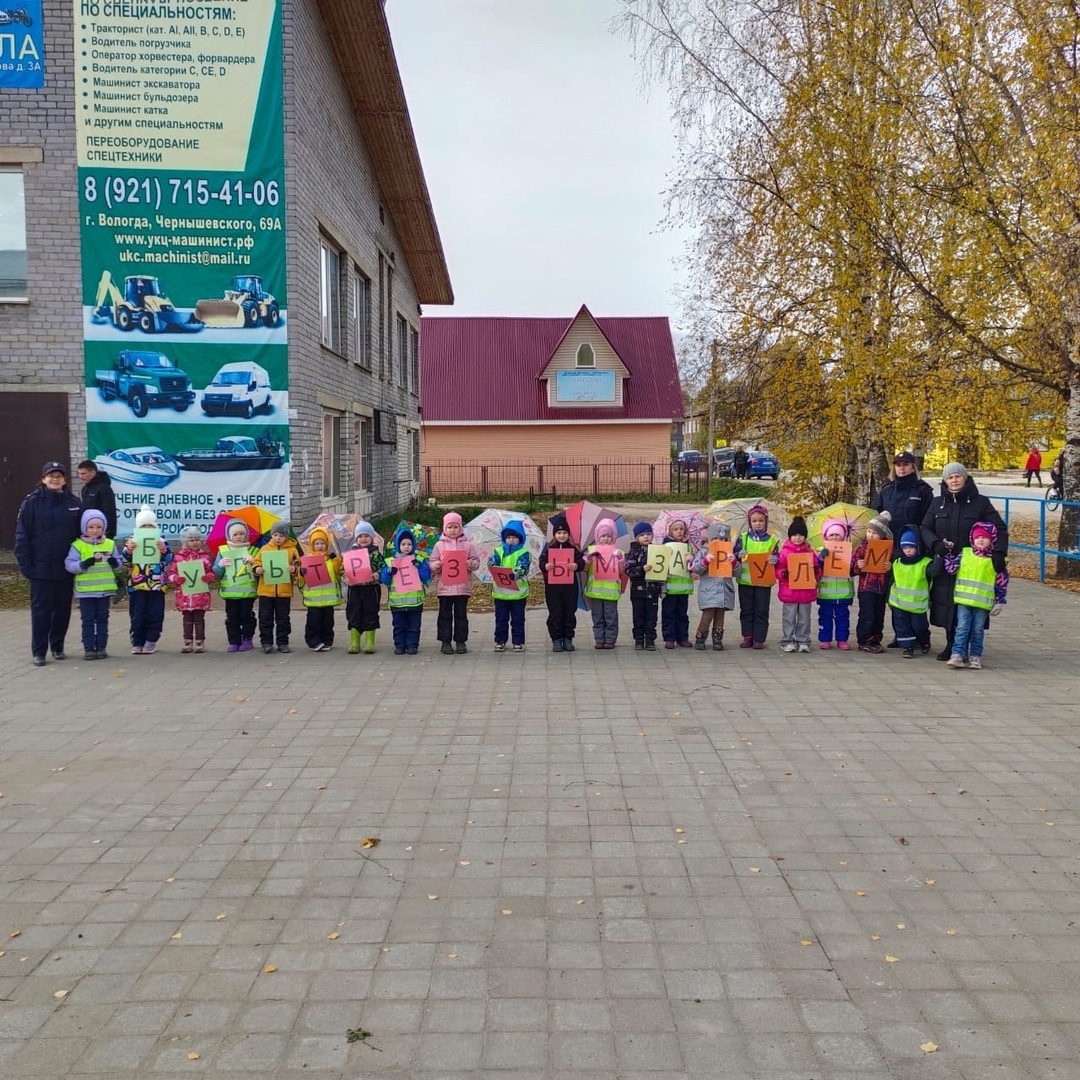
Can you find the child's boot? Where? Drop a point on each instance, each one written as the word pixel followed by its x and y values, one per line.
pixel 557 644
pixel 354 642
pixel 747 642
pixel 368 645
pixel 447 649
pixel 246 645
pixel 188 646
pixel 568 644
pixel 699 641
pixel 639 644
pixel 718 640
pixel 198 646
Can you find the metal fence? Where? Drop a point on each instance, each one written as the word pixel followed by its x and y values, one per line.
pixel 1042 530
pixel 559 480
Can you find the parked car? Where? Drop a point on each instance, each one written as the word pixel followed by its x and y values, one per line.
pixel 690 461
pixel 762 463
pixel 724 460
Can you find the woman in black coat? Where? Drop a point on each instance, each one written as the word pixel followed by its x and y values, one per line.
pixel 905 496
pixel 946 529
pixel 48 524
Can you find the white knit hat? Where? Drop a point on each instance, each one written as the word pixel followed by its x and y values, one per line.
pixel 145 518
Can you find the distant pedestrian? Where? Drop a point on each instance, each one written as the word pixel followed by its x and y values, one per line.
pixel 1033 466
pixel 740 463
pixel 97 494
pixel 47 526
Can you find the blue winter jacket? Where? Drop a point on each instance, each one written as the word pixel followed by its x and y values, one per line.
pixel 47 526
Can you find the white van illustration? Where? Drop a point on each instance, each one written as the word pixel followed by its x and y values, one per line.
pixel 242 389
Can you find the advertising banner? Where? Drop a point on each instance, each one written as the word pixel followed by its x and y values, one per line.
pixel 180 131
pixel 22 46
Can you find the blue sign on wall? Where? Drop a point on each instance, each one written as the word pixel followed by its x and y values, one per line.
pixel 22 45
pixel 585 386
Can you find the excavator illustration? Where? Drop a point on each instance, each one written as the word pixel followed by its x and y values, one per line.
pixel 246 304
pixel 141 304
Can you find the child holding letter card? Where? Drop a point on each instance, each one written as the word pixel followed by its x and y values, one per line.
pixel 277 566
pixel 320 586
pixel 797 571
pixel 511 592
pixel 873 582
pixel 754 598
pixel 363 598
pixel 603 583
pixel 835 587
pixel 406 573
pixel 675 606
pixel 560 563
pixel 147 581
pixel 454 559
pixel 644 590
pixel 193 570
pixel 716 591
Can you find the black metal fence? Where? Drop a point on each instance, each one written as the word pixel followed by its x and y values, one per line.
pixel 559 480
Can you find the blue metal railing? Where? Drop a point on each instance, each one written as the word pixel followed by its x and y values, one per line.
pixel 1042 549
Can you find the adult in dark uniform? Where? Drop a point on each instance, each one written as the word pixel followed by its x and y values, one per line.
pixel 48 524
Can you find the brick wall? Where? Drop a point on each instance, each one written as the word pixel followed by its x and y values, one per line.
pixel 41 342
pixel 332 191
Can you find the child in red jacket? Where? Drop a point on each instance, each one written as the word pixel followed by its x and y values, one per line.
pixel 193 606
pixel 796 595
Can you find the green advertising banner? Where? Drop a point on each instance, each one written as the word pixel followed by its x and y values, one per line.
pixel 181 149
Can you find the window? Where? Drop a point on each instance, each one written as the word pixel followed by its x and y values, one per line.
pixel 382 321
pixel 362 318
pixel 416 363
pixel 416 454
pixel 330 295
pixel 331 455
pixel 364 448
pixel 403 352
pixel 12 236
pixel 388 324
pixel 585 355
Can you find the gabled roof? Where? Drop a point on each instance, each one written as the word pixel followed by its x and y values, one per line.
pixel 488 369
pixel 365 57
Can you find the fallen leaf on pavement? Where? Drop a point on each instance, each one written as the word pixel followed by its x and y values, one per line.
pixel 369 842
pixel 270 969
pixel 891 959
pixel 928 1047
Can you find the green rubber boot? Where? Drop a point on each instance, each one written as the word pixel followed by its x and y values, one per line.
pixel 354 642
pixel 369 641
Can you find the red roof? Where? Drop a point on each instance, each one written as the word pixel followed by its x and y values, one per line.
pixel 485 368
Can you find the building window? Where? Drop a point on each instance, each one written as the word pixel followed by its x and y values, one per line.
pixel 331 455
pixel 330 295
pixel 415 363
pixel 388 324
pixel 12 236
pixel 416 454
pixel 362 318
pixel 403 352
pixel 364 450
pixel 585 355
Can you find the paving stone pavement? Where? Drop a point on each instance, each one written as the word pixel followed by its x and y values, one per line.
pixel 672 865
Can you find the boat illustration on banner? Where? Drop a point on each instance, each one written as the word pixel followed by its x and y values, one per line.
pixel 142 466
pixel 235 452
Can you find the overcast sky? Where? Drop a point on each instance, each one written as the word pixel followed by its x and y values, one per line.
pixel 546 162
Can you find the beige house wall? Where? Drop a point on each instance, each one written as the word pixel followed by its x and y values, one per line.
pixel 584 329
pixel 515 457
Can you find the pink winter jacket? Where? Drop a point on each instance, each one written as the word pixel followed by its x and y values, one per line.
pixel 784 592
pixel 199 601
pixel 472 561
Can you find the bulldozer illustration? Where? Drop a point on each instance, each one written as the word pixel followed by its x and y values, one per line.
pixel 142 304
pixel 246 304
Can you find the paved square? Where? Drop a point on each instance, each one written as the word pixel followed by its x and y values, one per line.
pixel 665 865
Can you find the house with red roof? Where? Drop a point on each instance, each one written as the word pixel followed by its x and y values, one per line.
pixel 540 402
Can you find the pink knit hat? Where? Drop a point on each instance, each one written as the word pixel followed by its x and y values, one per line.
pixel 605 527
pixel 833 525
pixel 452 517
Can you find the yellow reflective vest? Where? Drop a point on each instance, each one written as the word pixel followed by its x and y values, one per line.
pixel 911 589
pixel 975 581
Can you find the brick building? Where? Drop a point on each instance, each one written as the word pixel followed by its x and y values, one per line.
pixel 362 252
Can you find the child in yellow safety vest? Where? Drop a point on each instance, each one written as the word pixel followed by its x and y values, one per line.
pixel 321 596
pixel 235 566
pixel 979 590
pixel 405 593
pixel 510 600
pixel 754 600
pixel 909 597
pixel 603 592
pixel 835 594
pixel 93 559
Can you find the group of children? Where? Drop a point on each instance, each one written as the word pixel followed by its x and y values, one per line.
pixel 271 573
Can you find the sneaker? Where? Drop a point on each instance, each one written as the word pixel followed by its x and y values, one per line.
pixel 924 648
pixel 871 647
pixel 326 647
pixel 284 648
pixel 411 650
pixel 398 651
pixel 824 644
pixel 233 648
pixel 804 648
pixel 90 654
pixel 650 646
pixel 268 649
pixel 199 646
pixel 149 648
pixel 59 654
pixel 787 646
pixel 908 654
pixel 103 655
pixel 461 647
pixel 956 660
pixel 136 650
pixel 500 646
pixel 975 663
pixel 447 649
pixel 187 647
pixel 519 648
pixel 844 646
